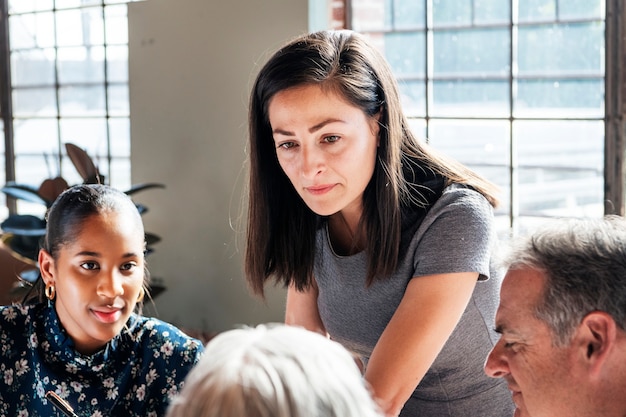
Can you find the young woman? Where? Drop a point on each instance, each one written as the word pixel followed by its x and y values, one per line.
pixel 384 245
pixel 83 341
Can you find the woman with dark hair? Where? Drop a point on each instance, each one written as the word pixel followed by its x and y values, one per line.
pixel 384 244
pixel 79 341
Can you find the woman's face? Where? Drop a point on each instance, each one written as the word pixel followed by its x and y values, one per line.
pixel 98 278
pixel 326 146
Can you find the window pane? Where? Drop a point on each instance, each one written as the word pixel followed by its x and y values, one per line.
pixel 492 11
pixel 117 63
pixel 119 177
pixel 35 136
pixel 500 176
pixel 475 98
pixel 81 64
pixel 405 52
pixel 413 97
pixel 472 142
pixel 34 169
pixel 554 98
pixel 31 30
pixel 23 6
pixel 560 167
pixel 576 9
pixel 119 100
pixel 476 51
pixel 88 134
pixel 119 134
pixel 409 13
pixel 526 224
pixel 418 127
pixel 451 12
pixel 116 24
pixel 537 10
pixel 82 101
pixel 80 27
pixel 66 4
pixel 34 102
pixel 32 67
pixel 573 48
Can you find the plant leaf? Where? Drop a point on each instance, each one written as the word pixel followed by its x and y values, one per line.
pixel 50 189
pixel 83 163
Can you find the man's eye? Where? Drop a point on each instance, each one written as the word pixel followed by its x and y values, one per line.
pixel 509 345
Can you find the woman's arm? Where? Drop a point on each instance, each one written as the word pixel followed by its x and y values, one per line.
pixel 301 309
pixel 428 313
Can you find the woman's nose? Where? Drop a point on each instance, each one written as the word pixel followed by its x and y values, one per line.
pixel 312 161
pixel 496 364
pixel 110 285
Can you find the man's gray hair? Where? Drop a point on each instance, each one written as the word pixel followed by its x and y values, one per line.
pixel 274 370
pixel 584 262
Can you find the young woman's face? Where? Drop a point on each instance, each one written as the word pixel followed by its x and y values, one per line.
pixel 326 146
pixel 98 278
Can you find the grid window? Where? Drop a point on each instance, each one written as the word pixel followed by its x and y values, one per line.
pixel 513 89
pixel 69 82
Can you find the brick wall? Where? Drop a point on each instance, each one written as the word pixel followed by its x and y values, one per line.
pixel 338 14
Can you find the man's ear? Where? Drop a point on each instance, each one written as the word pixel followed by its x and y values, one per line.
pixel 596 337
pixel 46 266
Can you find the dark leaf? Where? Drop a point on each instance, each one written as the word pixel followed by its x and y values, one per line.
pixel 83 163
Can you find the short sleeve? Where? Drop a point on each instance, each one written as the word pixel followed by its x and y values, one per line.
pixel 456 235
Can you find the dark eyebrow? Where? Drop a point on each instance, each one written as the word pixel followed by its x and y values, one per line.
pixel 312 129
pixel 97 255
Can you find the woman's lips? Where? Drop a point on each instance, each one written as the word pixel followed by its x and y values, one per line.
pixel 108 315
pixel 320 189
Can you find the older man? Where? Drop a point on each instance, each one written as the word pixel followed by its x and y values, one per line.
pixel 562 318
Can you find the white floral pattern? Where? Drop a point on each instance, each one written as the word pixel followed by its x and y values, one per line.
pixel 136 374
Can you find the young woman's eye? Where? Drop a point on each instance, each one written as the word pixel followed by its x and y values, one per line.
pixel 128 266
pixel 331 139
pixel 90 266
pixel 286 145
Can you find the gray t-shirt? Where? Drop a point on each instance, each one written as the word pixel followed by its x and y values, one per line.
pixel 456 235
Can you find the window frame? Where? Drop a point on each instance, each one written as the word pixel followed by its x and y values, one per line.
pixel 614 79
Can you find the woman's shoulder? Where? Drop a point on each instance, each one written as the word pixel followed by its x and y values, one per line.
pixel 460 207
pixel 465 197
pixel 17 314
pixel 155 332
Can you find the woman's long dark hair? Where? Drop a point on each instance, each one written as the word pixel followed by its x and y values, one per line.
pixel 281 228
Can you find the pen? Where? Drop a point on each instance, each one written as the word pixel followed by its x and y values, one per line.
pixel 61 404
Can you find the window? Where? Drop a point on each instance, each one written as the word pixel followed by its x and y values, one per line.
pixel 68 68
pixel 515 90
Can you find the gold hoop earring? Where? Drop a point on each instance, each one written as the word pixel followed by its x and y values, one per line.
pixel 50 292
pixel 141 295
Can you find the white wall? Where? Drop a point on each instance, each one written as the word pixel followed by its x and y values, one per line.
pixel 192 63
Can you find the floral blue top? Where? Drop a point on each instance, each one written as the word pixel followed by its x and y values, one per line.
pixel 136 374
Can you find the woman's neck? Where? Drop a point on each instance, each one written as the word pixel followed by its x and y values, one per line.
pixel 345 235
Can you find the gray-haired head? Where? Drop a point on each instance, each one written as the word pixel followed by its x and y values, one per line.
pixel 584 263
pixel 274 371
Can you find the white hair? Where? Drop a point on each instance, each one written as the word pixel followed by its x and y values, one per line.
pixel 274 370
